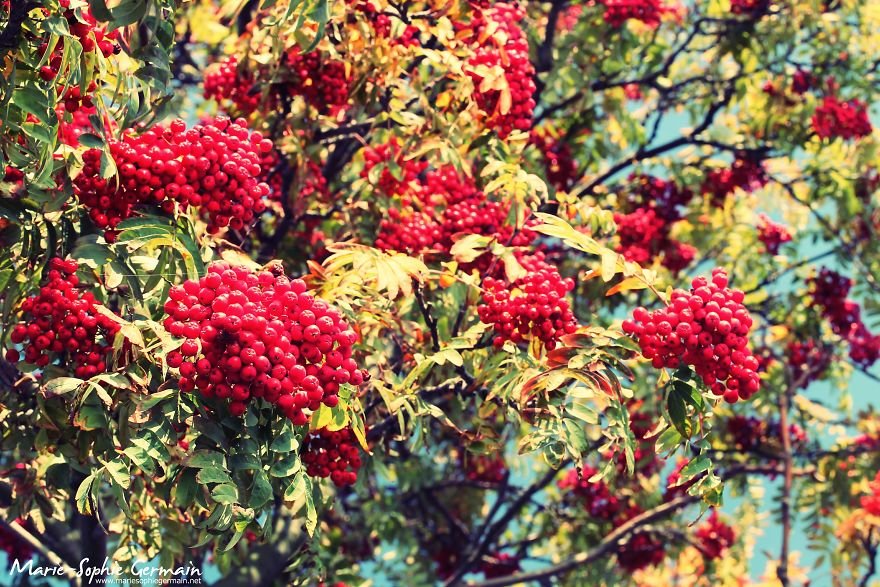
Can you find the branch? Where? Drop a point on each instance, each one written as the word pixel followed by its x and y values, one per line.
pixel 25 536
pixel 785 505
pixel 871 550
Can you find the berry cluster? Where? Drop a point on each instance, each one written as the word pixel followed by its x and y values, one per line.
pixel 498 41
pixel 674 486
pixel 332 454
pixel 706 328
pixel 749 7
pixel 14 547
pixel 499 565
pixel 871 502
pixel 596 496
pixel 64 322
pixel 642 550
pixel 808 361
pixel 381 23
pixel 323 83
pixel 665 197
pixel 388 156
pixel 617 12
pixel 714 537
pixel 484 468
pixel 560 168
pixel 802 81
pixel 214 166
pixel 645 455
pixel 644 236
pixel 750 433
pixel 533 306
pixel 257 335
pixel 845 120
pixel 772 234
pixel 829 290
pixel 746 173
pixel 92 37
pixel 223 82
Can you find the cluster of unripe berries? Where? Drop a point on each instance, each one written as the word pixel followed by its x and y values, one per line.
pixel 333 454
pixel 258 335
pixel 63 323
pixel 617 12
pixel 837 119
pixel 532 307
pixel 706 328
pixel 772 234
pixel 215 166
pixel 746 173
pixel 499 41
pixel 829 290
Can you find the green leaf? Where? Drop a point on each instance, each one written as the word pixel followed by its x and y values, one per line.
pixel 226 494
pixel 118 472
pixel 62 385
pixel 213 475
pixel 261 491
pixel 85 500
pixel 206 458
pixel 185 488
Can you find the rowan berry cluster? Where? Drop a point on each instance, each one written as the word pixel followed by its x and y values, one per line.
pixel 749 7
pixel 484 468
pixel 706 328
pixel 643 549
pixel 751 433
pixel 746 173
pixel 808 361
pixel 63 323
pixel 258 335
pixel 617 12
pixel 223 82
pixel 560 168
pixel 829 290
pixel 871 502
pixel 643 236
pixel 382 25
pixel 323 83
pixel 214 166
pixel 846 120
pixel 333 454
pixel 596 497
pixel 714 537
pixel 644 454
pixel 533 306
pixel 401 182
pixel 499 564
pixel 802 81
pixel 13 545
pixel 665 197
pixel 674 486
pixel 498 41
pixel 772 234
pixel 91 36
